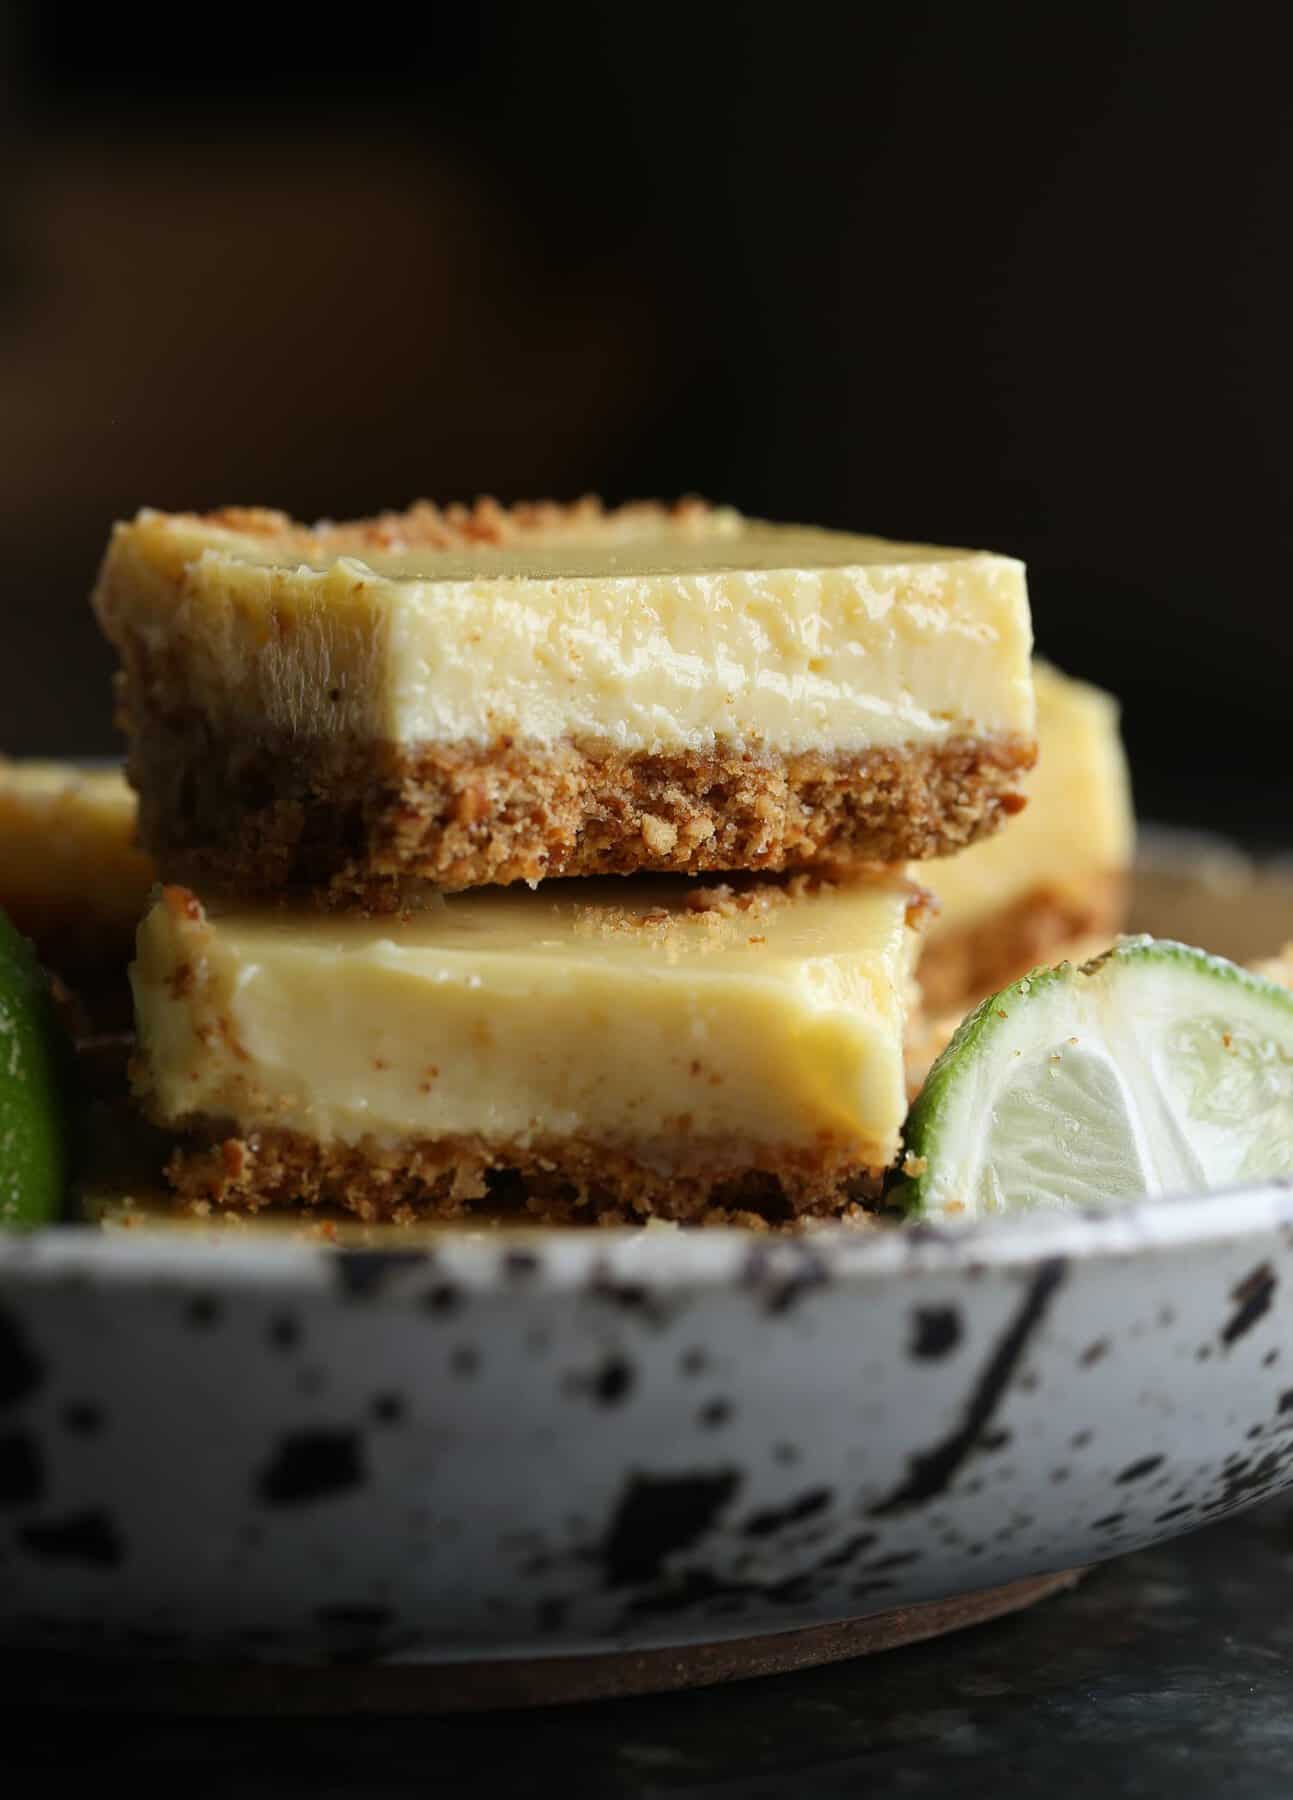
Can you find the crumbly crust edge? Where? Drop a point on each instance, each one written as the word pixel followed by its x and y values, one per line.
pixel 957 968
pixel 563 1181
pixel 353 823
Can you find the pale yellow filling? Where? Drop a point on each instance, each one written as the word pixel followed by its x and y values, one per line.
pixel 660 638
pixel 1077 827
pixel 609 1011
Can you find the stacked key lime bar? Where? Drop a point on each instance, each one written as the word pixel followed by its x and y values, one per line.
pixel 558 857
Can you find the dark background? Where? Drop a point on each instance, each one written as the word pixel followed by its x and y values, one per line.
pixel 1014 275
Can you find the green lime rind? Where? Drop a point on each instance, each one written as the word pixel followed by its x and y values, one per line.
pixel 1180 1077
pixel 922 1132
pixel 35 1091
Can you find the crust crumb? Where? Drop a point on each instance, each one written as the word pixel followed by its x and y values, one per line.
pixel 427 526
pixel 182 903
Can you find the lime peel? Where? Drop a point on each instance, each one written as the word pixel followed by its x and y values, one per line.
pixel 35 1089
pixel 1156 1068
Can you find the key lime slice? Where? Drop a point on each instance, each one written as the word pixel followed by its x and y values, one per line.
pixel 1155 1069
pixel 34 1088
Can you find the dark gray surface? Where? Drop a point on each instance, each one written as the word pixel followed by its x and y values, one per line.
pixel 1166 1673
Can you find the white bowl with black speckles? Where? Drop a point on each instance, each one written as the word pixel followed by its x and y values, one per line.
pixel 505 1445
pixel 577 1442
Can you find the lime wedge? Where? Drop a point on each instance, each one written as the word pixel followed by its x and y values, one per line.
pixel 1155 1069
pixel 35 1129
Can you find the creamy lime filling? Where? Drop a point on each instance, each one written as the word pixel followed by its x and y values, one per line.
pixel 759 637
pixel 614 1012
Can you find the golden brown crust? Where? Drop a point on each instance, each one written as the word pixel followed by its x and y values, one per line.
pixel 958 968
pixel 426 526
pixel 353 823
pixel 565 1181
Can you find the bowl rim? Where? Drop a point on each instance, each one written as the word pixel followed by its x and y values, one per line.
pixel 555 1259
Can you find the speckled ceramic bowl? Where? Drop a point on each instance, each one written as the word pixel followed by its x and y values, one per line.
pixel 549 1444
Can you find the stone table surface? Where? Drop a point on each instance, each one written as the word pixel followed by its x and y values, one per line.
pixel 1169 1672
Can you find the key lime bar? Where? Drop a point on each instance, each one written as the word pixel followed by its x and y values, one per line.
pixel 71 878
pixel 485 696
pixel 1054 883
pixel 597 1049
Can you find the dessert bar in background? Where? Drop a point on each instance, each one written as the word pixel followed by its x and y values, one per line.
pixel 1056 883
pixel 72 879
pixel 484 696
